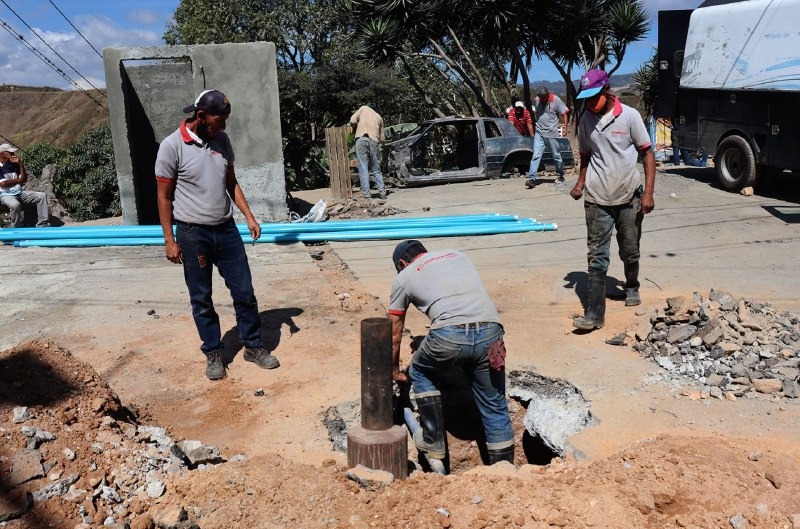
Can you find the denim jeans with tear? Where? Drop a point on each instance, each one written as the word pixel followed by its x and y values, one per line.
pixel 204 247
pixel 467 346
pixel 600 222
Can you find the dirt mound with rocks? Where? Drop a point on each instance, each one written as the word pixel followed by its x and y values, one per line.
pixel 74 457
pixel 358 207
pixel 734 347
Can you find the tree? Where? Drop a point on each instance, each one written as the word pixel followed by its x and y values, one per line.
pixel 646 83
pixel 589 33
pixel 86 181
pixel 467 51
pixel 320 79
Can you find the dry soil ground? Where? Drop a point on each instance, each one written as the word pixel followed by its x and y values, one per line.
pixel 653 458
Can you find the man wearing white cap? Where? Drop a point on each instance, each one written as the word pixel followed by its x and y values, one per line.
pixel 12 178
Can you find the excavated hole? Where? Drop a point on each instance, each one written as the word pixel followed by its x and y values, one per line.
pixel 545 412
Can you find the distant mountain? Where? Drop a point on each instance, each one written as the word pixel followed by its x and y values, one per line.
pixel 32 113
pixel 618 81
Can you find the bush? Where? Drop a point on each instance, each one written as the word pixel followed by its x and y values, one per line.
pixel 86 181
pixel 40 154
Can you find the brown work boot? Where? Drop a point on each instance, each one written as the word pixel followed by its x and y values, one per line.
pixel 261 357
pixel 215 368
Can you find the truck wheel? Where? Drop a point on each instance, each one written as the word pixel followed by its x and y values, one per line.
pixel 735 163
pixel 518 162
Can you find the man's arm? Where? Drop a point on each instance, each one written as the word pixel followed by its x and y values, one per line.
pixel 531 128
pixel 22 175
pixel 165 193
pixel 236 193
pixel 577 191
pixel 649 162
pixel 398 322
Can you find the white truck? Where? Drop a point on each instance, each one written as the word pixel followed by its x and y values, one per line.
pixel 729 79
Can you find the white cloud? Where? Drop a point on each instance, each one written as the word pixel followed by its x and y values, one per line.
pixel 143 16
pixel 19 66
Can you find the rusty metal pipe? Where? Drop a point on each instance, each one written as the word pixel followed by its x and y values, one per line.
pixel 376 373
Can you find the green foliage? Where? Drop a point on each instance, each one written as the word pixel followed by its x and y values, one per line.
pixel 40 154
pixel 646 83
pixel 320 80
pixel 86 182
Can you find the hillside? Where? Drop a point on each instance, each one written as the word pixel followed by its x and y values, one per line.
pixel 619 82
pixel 30 114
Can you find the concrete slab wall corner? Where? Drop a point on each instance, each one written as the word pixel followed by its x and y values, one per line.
pixel 148 87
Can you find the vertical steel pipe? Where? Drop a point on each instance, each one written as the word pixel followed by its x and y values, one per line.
pixel 376 374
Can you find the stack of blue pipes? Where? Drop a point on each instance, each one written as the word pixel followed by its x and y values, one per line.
pixel 341 230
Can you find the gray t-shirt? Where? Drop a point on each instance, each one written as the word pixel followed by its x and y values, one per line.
pixel 199 169
pixel 613 141
pixel 548 114
pixel 446 287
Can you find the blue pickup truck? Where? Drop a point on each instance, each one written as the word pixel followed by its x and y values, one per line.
pixel 460 149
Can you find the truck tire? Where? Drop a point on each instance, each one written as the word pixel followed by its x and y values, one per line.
pixel 518 161
pixel 735 163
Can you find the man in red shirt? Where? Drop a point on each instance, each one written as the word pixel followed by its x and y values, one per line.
pixel 521 119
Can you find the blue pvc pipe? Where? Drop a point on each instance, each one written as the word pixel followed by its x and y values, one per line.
pixel 86 232
pixel 355 235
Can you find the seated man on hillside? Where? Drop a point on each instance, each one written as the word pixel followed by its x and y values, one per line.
pixel 12 178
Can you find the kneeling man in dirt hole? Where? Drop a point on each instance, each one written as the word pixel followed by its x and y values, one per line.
pixel 197 187
pixel 465 331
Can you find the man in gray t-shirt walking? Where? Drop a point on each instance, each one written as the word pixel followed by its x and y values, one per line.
pixel 611 138
pixel 465 331
pixel 550 110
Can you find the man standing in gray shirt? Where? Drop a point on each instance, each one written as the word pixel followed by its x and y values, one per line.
pixel 465 331
pixel 197 188
pixel 549 112
pixel 611 137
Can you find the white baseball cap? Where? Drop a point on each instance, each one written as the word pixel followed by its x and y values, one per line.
pixel 519 104
pixel 7 147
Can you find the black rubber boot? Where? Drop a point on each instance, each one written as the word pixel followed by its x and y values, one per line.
pixel 501 454
pixel 430 437
pixel 632 297
pixel 595 316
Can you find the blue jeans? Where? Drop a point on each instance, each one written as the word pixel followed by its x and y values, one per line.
pixel 600 222
pixel 538 150
pixel 203 247
pixel 688 157
pixel 467 347
pixel 367 156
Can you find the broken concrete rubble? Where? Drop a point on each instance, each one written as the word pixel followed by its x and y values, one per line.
pixel 84 455
pixel 745 347
pixel 359 207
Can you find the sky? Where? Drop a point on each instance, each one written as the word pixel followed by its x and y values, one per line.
pixel 114 23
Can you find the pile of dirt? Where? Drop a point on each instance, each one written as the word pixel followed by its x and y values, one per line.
pixel 72 454
pixel 102 467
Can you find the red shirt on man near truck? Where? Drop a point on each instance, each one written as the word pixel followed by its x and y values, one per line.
pixel 521 119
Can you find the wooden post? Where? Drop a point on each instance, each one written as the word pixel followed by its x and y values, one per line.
pixel 376 443
pixel 338 161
